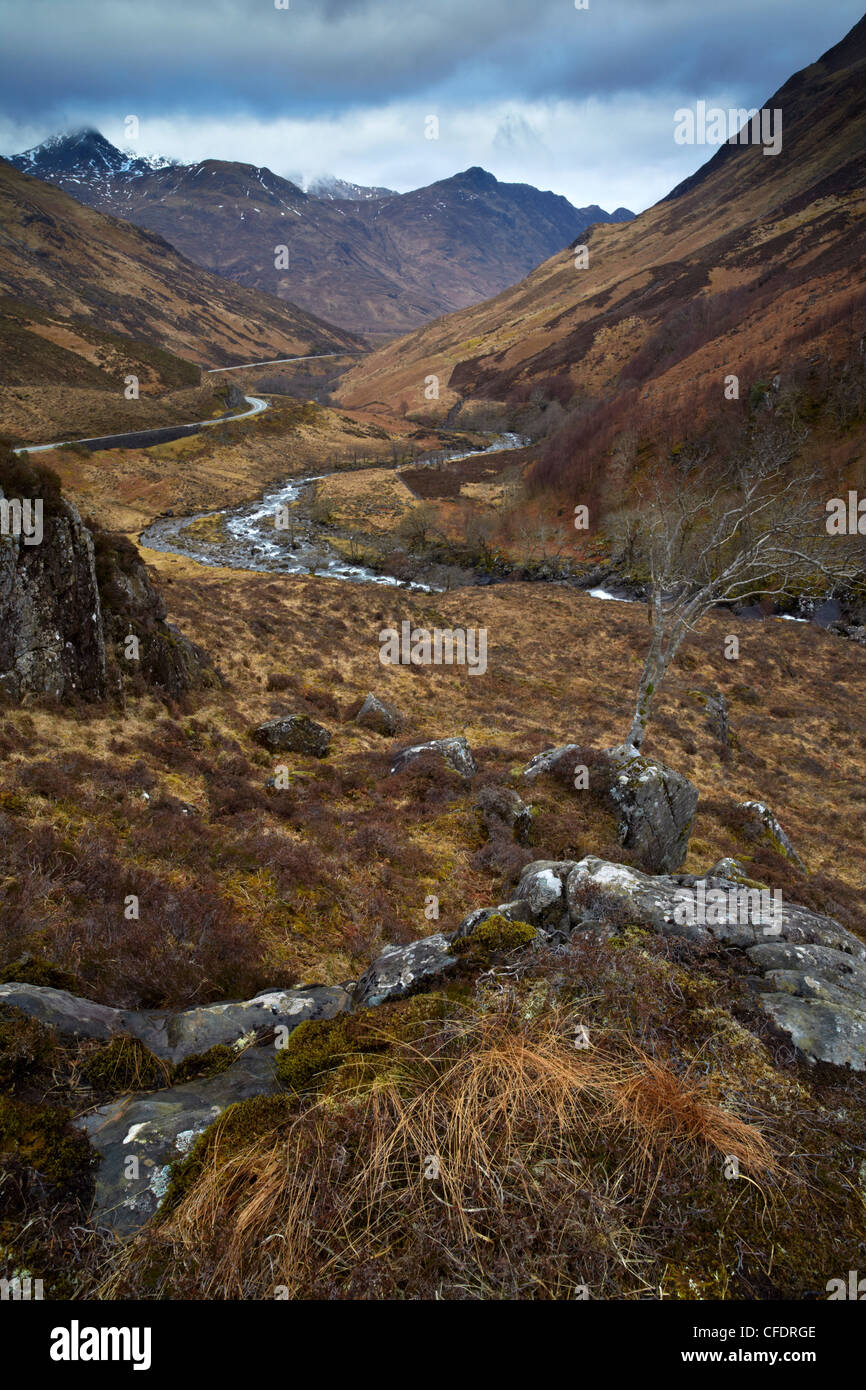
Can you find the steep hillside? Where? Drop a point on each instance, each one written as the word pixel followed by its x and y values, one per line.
pixel 374 261
pixel 741 269
pixel 88 272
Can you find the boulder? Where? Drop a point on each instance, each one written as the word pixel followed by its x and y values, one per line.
pixel 548 760
pixel 716 711
pixel 376 715
pixel 656 808
pixel 296 733
pixel 502 809
pixel 401 969
pixel 770 830
pixel 455 752
pixel 174 1036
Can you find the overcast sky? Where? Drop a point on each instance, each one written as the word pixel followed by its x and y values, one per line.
pixel 537 91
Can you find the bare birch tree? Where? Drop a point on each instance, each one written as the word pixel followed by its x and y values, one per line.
pixel 754 532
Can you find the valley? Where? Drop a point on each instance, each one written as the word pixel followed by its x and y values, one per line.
pixel 432 720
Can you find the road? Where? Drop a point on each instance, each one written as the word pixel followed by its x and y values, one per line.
pixel 141 439
pixel 276 361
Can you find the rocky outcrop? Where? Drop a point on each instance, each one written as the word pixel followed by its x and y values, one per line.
pixel 296 733
pixel 51 633
pixel 454 751
pixel 139 1136
pixel 78 613
pixel 175 1036
pixel 376 715
pixel 656 808
pixel 132 608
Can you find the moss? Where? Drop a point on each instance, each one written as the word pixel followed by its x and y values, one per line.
pixel 239 1125
pixel 39 1138
pixel 492 939
pixel 29 970
pixel 27 1047
pixel 317 1046
pixel 124 1064
pixel 209 1063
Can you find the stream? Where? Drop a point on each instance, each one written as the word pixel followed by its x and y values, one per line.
pixel 246 537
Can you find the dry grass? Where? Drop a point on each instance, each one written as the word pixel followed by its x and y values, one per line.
pixel 494 1123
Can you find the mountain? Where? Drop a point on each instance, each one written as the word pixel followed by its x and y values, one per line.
pixel 339 190
pixel 68 272
pixel 743 268
pixel 374 264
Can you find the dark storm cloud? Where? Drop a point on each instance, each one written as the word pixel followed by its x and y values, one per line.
pixel 207 56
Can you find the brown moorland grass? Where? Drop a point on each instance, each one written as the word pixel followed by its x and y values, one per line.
pixel 243 886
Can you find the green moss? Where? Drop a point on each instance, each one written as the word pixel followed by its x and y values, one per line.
pixel 124 1064
pixel 208 1063
pixel 317 1046
pixel 26 1046
pixel 492 939
pixel 31 971
pixel 40 1138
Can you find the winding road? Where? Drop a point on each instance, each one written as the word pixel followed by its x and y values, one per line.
pixel 141 439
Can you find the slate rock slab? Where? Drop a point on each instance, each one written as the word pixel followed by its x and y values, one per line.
pixel 157 1128
pixel 401 969
pixel 174 1036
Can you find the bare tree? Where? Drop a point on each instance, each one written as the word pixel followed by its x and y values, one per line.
pixel 753 532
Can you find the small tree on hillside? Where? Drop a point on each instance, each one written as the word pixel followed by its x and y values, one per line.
pixel 757 530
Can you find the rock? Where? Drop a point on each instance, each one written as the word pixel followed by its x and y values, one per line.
pixel 822 1031
pixel 455 751
pixel 501 808
pixel 813 984
pixel 69 603
pixel 729 868
pixel 51 635
pixel 542 893
pixel 716 711
pixel 516 911
pixel 296 733
pixel 548 760
pixel 174 1036
pixel 157 1129
pixel 656 808
pixel 770 830
pixel 400 969
pixel 376 715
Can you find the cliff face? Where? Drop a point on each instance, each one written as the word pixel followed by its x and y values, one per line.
pixel 72 597
pixel 51 631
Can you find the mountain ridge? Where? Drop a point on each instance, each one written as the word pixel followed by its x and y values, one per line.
pixel 376 264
